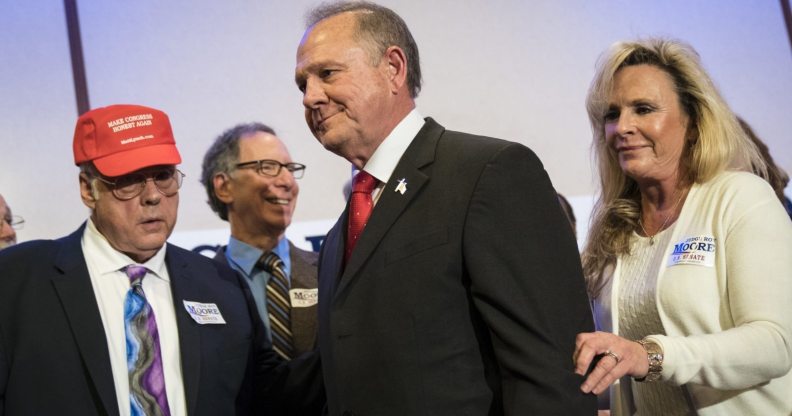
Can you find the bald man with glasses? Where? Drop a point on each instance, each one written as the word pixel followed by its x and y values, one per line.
pixel 251 182
pixel 9 223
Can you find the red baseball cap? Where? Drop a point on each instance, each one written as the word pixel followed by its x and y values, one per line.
pixel 123 138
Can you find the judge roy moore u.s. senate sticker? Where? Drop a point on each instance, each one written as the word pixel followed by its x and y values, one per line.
pixel 698 251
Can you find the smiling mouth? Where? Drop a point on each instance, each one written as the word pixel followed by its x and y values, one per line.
pixel 319 119
pixel 319 122
pixel 278 201
pixel 629 148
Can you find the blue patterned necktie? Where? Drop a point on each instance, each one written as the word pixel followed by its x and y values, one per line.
pixel 147 395
pixel 278 305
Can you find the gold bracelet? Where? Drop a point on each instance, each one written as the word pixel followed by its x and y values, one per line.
pixel 654 353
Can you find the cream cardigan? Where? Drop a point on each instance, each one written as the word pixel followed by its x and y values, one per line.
pixel 725 299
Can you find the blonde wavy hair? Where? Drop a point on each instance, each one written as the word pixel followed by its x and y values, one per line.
pixel 715 142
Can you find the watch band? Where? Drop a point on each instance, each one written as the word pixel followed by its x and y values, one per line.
pixel 654 353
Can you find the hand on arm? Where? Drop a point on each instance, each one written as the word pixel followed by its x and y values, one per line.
pixel 619 357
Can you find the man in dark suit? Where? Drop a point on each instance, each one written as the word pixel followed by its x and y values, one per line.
pixel 111 320
pixel 463 294
pixel 250 180
pixel 8 222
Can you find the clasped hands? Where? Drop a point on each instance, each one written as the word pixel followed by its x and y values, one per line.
pixel 617 357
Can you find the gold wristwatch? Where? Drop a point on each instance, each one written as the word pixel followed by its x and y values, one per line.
pixel 654 353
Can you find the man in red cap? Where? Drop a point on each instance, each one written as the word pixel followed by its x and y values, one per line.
pixel 111 319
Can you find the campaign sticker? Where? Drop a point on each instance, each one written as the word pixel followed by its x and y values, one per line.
pixel 204 313
pixel 699 251
pixel 303 298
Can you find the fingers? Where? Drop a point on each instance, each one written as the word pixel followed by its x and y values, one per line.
pixel 600 356
pixel 602 375
pixel 587 347
pixel 605 373
pixel 583 359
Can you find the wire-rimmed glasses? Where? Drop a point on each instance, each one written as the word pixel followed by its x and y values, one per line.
pixel 167 182
pixel 15 221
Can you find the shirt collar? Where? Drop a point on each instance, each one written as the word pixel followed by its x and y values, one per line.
pixel 384 160
pixel 108 260
pixel 244 256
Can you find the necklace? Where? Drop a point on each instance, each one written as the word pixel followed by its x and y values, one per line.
pixel 662 227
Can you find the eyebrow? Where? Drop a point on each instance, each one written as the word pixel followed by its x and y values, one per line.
pixel 300 76
pixel 634 102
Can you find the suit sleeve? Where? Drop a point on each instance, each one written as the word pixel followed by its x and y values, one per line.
pixel 527 285
pixel 280 388
pixel 3 372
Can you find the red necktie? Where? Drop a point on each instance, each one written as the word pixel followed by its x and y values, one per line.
pixel 360 206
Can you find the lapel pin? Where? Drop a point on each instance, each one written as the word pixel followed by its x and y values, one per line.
pixel 401 187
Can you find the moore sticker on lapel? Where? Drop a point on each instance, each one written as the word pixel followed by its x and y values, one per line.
pixel 204 313
pixel 303 298
pixel 698 250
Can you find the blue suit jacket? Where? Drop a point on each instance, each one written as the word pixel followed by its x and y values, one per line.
pixel 53 350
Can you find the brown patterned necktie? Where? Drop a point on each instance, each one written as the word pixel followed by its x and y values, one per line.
pixel 278 304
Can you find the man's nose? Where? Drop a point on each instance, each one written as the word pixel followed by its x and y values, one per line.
pixel 313 94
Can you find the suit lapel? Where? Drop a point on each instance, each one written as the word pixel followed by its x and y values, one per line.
pixel 303 268
pixel 391 204
pixel 331 261
pixel 189 337
pixel 303 319
pixel 76 294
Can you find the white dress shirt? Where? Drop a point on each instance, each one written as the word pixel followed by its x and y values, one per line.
pixel 110 286
pixel 384 160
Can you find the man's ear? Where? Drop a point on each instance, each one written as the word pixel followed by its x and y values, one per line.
pixel 222 187
pixel 87 193
pixel 396 61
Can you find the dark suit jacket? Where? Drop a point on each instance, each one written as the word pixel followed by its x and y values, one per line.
pixel 463 295
pixel 53 351
pixel 303 276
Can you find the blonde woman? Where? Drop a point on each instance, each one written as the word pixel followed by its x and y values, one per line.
pixel 688 259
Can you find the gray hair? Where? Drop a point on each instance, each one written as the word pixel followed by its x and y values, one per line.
pixel 380 28
pixel 221 158
pixel 93 175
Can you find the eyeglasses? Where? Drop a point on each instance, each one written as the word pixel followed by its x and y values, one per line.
pixel 129 186
pixel 269 167
pixel 15 221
